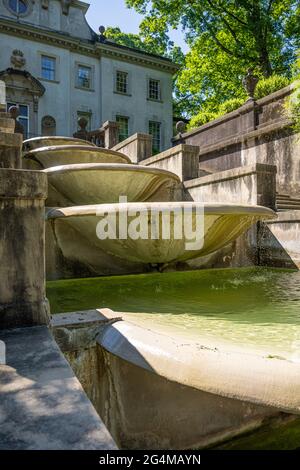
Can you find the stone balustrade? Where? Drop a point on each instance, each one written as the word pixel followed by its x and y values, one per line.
pixel 138 147
pixel 183 160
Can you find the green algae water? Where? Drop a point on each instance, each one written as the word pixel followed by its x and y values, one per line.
pixel 256 309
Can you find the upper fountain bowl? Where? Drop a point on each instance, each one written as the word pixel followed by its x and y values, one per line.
pixel 47 157
pixel 48 141
pixel 98 183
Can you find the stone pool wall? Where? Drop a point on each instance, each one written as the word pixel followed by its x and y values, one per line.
pixel 148 407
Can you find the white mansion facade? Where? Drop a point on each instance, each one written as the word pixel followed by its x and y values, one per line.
pixel 57 69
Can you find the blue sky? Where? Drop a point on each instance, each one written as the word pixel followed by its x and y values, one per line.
pixel 115 13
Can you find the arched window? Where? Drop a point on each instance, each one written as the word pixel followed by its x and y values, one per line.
pixel 48 126
pixel 19 7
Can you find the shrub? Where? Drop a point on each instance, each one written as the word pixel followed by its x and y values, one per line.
pixel 201 118
pixel 266 86
pixel 230 105
pixel 292 106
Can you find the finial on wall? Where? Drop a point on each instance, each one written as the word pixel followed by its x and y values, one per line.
pixel 249 82
pixel 102 36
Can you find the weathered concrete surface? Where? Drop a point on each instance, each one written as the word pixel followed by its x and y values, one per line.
pixel 22 242
pixel 77 331
pixel 10 147
pixel 7 124
pixel 214 368
pixel 280 148
pixel 76 335
pixel 254 184
pixel 42 404
pixel 141 384
pixel 111 133
pixel 257 133
pixel 280 241
pixel 156 392
pixel 183 160
pixel 137 147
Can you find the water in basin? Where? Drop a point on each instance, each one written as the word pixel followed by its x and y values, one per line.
pixel 256 309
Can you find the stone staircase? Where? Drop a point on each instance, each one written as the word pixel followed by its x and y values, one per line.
pixel 285 202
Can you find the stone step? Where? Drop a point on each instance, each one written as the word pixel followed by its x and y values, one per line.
pixel 287 202
pixel 286 199
pixel 284 207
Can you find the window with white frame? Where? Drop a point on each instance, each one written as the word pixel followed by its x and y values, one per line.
pixel 84 76
pixel 123 122
pixel 48 66
pixel 155 131
pixel 121 82
pixel 23 117
pixel 154 89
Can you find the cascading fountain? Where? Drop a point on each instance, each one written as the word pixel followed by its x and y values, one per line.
pixel 148 377
pixel 85 183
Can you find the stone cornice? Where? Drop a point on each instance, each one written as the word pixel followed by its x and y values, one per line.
pixel 96 49
pixel 137 57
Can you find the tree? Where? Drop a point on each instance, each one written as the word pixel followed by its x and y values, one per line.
pixel 225 37
pixel 160 45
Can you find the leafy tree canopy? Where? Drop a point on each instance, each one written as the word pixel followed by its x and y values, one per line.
pixel 225 37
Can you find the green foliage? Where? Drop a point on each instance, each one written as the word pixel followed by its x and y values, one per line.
pixel 271 84
pixel 205 116
pixel 201 118
pixel 265 87
pixel 231 105
pixel 126 39
pixel 160 45
pixel 292 104
pixel 225 37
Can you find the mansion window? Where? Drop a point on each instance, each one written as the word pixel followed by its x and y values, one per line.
pixel 154 92
pixel 23 117
pixel 84 77
pixel 155 131
pixel 123 123
pixel 121 82
pixel 19 7
pixel 48 67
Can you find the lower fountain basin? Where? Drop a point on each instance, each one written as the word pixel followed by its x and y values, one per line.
pixel 196 348
pixel 47 157
pixel 221 224
pixel 47 141
pixel 105 183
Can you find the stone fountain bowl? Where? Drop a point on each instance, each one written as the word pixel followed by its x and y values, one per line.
pixel 47 157
pixel 215 226
pixel 99 183
pixel 48 141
